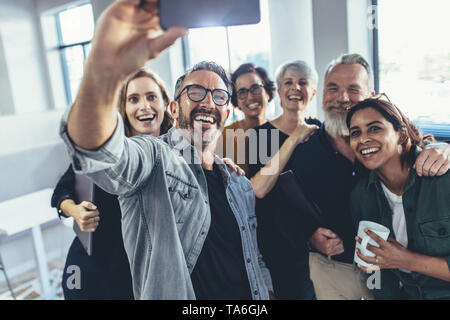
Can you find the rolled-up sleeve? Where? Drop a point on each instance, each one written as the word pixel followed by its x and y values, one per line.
pixel 65 189
pixel 119 165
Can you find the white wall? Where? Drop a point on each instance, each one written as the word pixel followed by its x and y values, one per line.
pixel 21 132
pixel 291 37
pixel 6 99
pixel 339 27
pixel 317 31
pixel 23 56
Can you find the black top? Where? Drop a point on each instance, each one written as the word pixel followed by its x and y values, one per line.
pixel 107 240
pixel 219 273
pixel 287 259
pixel 271 129
pixel 328 178
pixel 106 273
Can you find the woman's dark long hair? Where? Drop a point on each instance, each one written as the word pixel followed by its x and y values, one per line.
pixel 411 136
pixel 269 85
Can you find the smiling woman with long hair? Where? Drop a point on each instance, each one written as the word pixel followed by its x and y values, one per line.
pixel 415 260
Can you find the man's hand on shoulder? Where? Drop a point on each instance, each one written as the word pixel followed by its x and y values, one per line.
pixel 233 166
pixel 434 160
pixel 327 242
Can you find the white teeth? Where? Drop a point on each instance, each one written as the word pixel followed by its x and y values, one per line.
pixel 253 105
pixel 371 150
pixel 146 118
pixel 204 118
pixel 295 98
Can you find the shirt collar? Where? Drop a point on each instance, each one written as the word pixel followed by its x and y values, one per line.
pixel 178 142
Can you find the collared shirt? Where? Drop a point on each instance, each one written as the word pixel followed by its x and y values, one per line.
pixel 165 209
pixel 426 202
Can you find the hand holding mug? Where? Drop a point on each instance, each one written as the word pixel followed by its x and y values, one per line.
pixel 390 254
pixel 368 242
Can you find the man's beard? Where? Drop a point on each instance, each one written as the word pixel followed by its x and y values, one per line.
pixel 335 122
pixel 200 137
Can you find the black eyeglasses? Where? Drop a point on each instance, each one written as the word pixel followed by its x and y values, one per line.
pixel 197 93
pixel 255 90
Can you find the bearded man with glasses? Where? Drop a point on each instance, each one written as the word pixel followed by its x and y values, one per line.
pixel 188 220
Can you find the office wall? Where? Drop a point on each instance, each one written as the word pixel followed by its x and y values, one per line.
pixel 6 99
pixel 23 56
pixel 291 37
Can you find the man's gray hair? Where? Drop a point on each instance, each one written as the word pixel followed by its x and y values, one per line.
pixel 299 67
pixel 352 58
pixel 208 66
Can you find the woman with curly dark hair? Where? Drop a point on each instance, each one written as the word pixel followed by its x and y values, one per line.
pixel 252 92
pixel 415 259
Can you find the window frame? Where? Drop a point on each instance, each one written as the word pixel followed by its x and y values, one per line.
pixel 61 47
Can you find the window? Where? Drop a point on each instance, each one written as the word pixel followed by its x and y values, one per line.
pixel 232 46
pixel 414 61
pixel 75 27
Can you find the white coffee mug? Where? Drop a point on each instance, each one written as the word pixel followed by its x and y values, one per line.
pixel 377 228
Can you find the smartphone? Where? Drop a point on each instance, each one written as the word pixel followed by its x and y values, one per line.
pixel 208 13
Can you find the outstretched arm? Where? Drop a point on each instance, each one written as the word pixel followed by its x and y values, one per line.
pixel 265 179
pixel 126 37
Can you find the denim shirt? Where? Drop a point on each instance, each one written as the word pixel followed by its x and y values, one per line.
pixel 165 209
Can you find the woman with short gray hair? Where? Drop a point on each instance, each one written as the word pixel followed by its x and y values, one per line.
pixel 297 83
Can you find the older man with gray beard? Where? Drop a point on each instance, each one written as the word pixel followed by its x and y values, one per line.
pixel 325 167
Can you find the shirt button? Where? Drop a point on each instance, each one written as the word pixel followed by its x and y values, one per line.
pixel 442 232
pixel 249 260
pixel 203 232
pixel 256 292
pixel 243 228
pixel 76 163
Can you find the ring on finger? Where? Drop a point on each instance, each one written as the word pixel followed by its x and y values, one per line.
pixel 376 260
